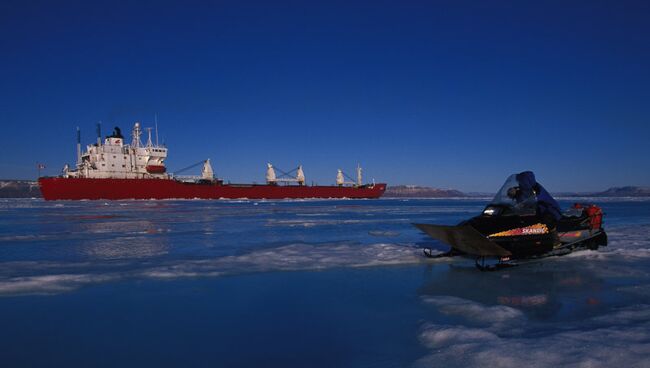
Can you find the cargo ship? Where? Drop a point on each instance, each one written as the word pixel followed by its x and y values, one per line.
pixel 113 170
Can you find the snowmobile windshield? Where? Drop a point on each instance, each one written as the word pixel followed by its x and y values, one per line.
pixel 518 200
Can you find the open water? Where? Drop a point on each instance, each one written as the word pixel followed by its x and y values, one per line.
pixel 306 284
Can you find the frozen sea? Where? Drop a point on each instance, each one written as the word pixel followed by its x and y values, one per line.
pixel 306 284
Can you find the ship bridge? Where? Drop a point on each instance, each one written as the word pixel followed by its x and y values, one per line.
pixel 113 158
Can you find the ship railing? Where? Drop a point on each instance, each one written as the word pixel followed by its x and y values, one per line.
pixel 189 178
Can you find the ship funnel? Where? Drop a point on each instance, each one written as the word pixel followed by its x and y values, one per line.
pixel 99 133
pixel 207 173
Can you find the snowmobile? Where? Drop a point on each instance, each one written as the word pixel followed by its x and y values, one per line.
pixel 522 222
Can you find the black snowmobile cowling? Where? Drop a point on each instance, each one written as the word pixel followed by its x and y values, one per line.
pixel 522 221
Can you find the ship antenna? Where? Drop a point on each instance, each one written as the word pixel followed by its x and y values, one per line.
pixel 155 119
pixel 149 144
pixel 99 133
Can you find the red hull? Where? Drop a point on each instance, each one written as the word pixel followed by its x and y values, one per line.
pixel 76 188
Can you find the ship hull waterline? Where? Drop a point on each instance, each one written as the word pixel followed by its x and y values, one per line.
pixel 58 188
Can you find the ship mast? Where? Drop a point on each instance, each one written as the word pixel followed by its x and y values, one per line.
pixel 136 135
pixel 155 118
pixel 78 146
pixel 359 181
pixel 149 143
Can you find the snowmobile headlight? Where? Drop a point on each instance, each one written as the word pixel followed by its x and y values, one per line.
pixel 490 211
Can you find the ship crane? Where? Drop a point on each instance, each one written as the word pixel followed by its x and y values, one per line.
pixel 206 171
pixel 285 177
pixel 341 176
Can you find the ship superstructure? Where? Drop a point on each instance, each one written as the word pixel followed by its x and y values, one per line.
pixel 113 169
pixel 114 158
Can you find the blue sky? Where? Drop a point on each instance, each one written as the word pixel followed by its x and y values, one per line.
pixel 443 93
